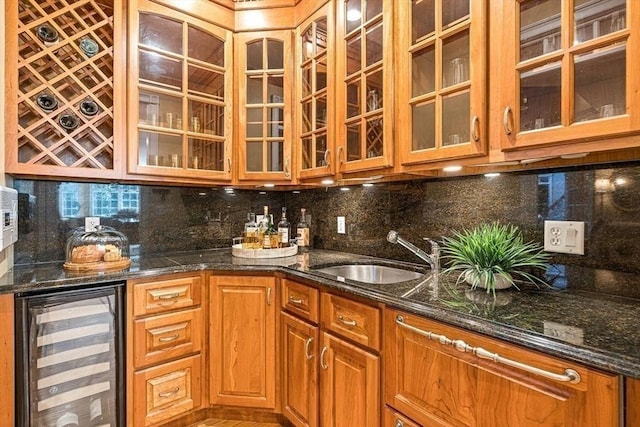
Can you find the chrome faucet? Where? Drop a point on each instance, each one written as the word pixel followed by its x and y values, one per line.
pixel 433 259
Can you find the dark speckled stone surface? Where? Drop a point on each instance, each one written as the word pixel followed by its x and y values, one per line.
pixel 609 338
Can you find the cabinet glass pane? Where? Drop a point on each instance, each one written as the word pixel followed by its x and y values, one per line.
pixel 254 55
pixel 455 119
pixel 275 55
pixel 159 149
pixel 306 116
pixel 423 118
pixel 275 89
pixel 275 123
pixel 374 45
pixel 254 90
pixel 539 27
pixel 159 110
pixel 254 122
pixel 160 32
pixel 354 151
pixel 353 98
pixel 206 154
pixel 454 10
pixel 160 71
pixel 354 55
pixel 321 149
pixel 455 59
pixel 308 46
pixel 275 154
pixel 306 80
pixel 321 73
pixel 374 92
pixel 205 47
pixel 423 19
pixel 374 137
pixel 374 8
pixel 598 18
pixel 307 149
pixel 206 118
pixel 540 91
pixel 254 156
pixel 423 71
pixel 206 82
pixel 354 14
pixel 321 35
pixel 600 84
pixel 321 112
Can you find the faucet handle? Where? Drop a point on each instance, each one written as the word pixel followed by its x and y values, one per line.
pixel 435 247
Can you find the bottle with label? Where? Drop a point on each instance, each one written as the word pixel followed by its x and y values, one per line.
pixel 96 417
pixel 250 231
pixel 303 229
pixel 270 233
pixel 284 229
pixel 68 419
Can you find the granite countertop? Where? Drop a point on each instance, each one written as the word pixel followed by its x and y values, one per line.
pixel 603 330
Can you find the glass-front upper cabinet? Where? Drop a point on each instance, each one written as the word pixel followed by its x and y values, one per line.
pixel 440 79
pixel 316 92
pixel 364 101
pixel 181 95
pixel 569 71
pixel 265 96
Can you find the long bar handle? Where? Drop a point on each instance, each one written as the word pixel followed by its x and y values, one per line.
pixel 169 338
pixel 340 150
pixel 168 296
pixel 475 128
pixel 322 353
pixel 569 375
pixel 295 300
pixel 326 158
pixel 505 120
pixel 229 163
pixel 307 345
pixel 169 393
pixel 346 320
pixel 269 296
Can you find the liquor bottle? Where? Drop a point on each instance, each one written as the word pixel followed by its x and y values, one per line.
pixel 250 232
pixel 270 234
pixel 284 230
pixel 96 417
pixel 303 229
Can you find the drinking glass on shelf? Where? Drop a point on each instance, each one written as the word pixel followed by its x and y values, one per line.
pixel 617 21
pixel 548 44
pixel 606 110
pixel 539 123
pixel 457 71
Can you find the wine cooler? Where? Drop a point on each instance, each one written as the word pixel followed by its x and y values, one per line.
pixel 69 361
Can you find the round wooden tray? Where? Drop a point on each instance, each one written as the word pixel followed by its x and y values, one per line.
pixel 98 266
pixel 238 251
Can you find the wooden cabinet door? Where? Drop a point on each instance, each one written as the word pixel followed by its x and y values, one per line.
pixel 264 87
pixel 440 80
pixel 349 385
pixel 568 74
pixel 434 381
pixel 300 349
pixel 364 90
pixel 243 341
pixel 180 93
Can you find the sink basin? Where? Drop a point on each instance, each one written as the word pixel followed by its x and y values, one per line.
pixel 371 273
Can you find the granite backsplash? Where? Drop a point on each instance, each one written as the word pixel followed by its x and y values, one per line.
pixel 167 219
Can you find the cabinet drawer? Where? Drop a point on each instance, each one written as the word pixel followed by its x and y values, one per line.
pixel 165 295
pixel 164 337
pixel 353 320
pixel 300 299
pixel 396 419
pixel 166 391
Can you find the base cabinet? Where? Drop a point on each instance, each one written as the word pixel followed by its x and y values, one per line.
pixel 242 341
pixel 435 383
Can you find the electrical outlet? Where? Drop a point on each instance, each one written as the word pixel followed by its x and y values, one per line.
pixel 562 332
pixel 91 222
pixel 342 225
pixel 564 237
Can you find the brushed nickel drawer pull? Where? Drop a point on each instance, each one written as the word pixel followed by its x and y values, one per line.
pixel 347 321
pixel 506 119
pixel 322 353
pixel 569 375
pixel 399 423
pixel 169 296
pixel 169 393
pixel 170 338
pixel 307 344
pixel 295 300
pixel 326 158
pixel 475 128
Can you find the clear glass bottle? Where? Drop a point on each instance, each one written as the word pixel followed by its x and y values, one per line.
pixel 303 229
pixel 269 232
pixel 284 229
pixel 250 232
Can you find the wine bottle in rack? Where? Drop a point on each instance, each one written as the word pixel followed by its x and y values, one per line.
pixel 96 416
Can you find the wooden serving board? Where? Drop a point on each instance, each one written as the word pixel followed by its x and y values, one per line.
pixel 98 266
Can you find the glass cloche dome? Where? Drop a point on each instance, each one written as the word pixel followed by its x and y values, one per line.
pixel 104 248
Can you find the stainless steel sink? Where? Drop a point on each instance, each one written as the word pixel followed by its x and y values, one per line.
pixel 371 273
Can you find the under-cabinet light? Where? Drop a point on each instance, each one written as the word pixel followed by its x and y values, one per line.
pixel 492 174
pixel 326 182
pixel 453 168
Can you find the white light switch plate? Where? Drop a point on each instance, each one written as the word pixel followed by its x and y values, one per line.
pixel 564 237
pixel 342 227
pixel 91 222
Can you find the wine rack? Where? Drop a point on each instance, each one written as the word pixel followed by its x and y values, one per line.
pixel 65 87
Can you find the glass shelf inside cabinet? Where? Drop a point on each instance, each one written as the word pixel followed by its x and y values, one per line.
pixel 595 19
pixel 539 28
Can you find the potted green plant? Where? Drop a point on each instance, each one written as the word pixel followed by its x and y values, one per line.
pixel 490 256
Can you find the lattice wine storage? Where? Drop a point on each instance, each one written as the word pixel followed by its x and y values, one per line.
pixel 65 87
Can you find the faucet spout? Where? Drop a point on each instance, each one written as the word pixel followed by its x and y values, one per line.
pixel 433 259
